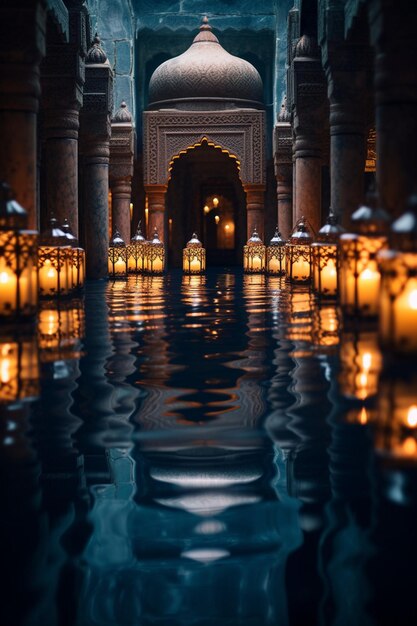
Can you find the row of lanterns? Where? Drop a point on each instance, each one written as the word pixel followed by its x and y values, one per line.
pixel 50 265
pixel 141 256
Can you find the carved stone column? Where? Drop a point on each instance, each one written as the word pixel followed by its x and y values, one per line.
pixel 347 68
pixel 121 170
pixel 255 209
pixel 156 204
pixel 95 140
pixel 393 27
pixel 284 170
pixel 310 114
pixel 22 46
pixel 62 83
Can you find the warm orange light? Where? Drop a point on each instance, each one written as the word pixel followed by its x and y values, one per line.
pixel 215 202
pixel 206 209
pixel 412 416
pixel 217 219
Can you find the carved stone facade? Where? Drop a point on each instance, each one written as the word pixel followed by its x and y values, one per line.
pixel 167 133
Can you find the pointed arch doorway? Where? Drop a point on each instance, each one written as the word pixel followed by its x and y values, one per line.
pixel 205 195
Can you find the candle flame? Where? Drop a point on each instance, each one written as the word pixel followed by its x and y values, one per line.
pixel 5 363
pixel 412 416
pixel 4 277
pixel 368 274
pixel 412 299
pixel 367 361
pixel 363 416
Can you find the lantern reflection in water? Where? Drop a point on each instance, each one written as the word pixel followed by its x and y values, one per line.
pixel 19 365
pixel 60 330
pixel 360 365
pixel 300 316
pixel 396 427
pixel 326 327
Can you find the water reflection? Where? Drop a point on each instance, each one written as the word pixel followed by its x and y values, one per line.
pixel 202 456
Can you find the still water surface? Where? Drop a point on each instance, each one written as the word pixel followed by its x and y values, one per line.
pixel 199 459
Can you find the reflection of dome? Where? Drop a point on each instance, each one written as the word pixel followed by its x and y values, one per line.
pixel 205 72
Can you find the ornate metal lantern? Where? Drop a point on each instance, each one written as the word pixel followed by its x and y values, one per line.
pixel 117 256
pixel 155 255
pixel 18 260
pixel 298 254
pixel 19 366
pixel 254 254
pixel 76 258
pixel 325 259
pixel 136 252
pixel 359 274
pixel 275 255
pixel 398 301
pixel 194 256
pixel 54 261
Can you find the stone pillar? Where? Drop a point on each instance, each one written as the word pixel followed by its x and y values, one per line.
pixel 121 170
pixel 22 46
pixel 255 208
pixel 310 115
pixel 393 28
pixel 156 204
pixel 62 84
pixel 95 146
pixel 347 67
pixel 284 170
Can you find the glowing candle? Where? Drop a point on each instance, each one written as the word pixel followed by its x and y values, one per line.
pixel 368 289
pixel 8 289
pixel 405 317
pixel 48 278
pixel 329 278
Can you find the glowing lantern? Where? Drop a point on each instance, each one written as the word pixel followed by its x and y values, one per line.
pixel 117 257
pixel 194 257
pixel 359 274
pixel 254 254
pixel 275 255
pixel 155 255
pixel 398 267
pixel 76 258
pixel 53 261
pixel 19 367
pixel 136 252
pixel 298 254
pixel 18 260
pixel 325 259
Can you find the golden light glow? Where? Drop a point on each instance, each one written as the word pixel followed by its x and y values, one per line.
pixel 217 219
pixel 363 416
pixel 412 416
pixel 206 209
pixel 215 202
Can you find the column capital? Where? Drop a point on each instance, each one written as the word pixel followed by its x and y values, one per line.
pixel 282 143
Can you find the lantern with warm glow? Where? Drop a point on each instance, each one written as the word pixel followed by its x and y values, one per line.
pixel 326 327
pixel 117 256
pixel 359 274
pixel 76 258
pixel 19 367
pixel 275 255
pixel 136 252
pixel 18 260
pixel 398 297
pixel 155 255
pixel 360 365
pixel 254 254
pixel 298 254
pixel 325 259
pixel 54 261
pixel 194 257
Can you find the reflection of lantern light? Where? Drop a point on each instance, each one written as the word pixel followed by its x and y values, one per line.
pixel 298 254
pixel 18 262
pixel 76 258
pixel 398 266
pixel 155 255
pixel 136 252
pixel 194 256
pixel 396 427
pixel 215 202
pixel 300 316
pixel 275 255
pixel 19 367
pixel 217 219
pixel 60 329
pixel 359 273
pixel 361 364
pixel 54 261
pixel 206 209
pixel 117 264
pixel 325 258
pixel 254 254
pixel 326 326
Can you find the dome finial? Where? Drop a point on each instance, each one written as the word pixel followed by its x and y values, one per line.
pixel 205 23
pixel 96 53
